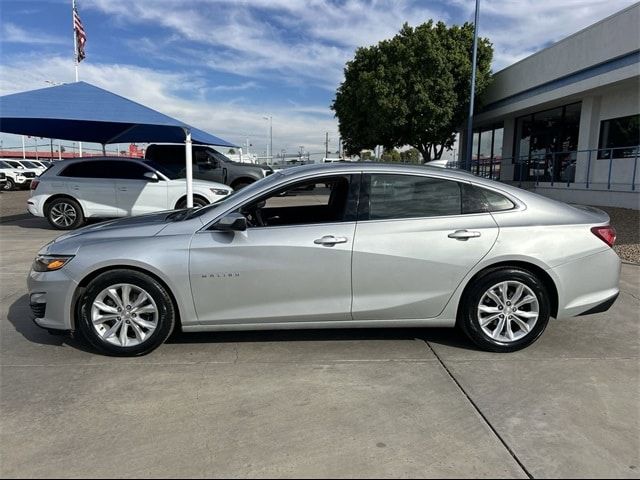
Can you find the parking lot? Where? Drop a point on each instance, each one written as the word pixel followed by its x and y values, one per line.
pixel 348 403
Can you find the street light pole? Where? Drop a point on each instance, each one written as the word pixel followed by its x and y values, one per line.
pixel 469 139
pixel 270 151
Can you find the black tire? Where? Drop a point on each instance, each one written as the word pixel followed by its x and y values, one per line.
pixel 239 185
pixel 10 185
pixel 197 202
pixel 468 314
pixel 166 315
pixel 64 204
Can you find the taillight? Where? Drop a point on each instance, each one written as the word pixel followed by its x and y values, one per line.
pixel 607 234
pixel 34 184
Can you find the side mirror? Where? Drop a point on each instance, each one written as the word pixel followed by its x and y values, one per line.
pixel 233 222
pixel 151 176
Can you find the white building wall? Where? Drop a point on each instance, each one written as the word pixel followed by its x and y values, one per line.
pixel 598 67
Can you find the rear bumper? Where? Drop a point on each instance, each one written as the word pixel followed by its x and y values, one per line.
pixel 587 285
pixel 603 307
pixel 35 205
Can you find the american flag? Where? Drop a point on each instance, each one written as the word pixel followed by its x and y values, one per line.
pixel 81 36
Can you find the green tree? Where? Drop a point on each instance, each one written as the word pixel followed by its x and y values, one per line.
pixel 410 156
pixel 411 90
pixel 391 155
pixel 231 151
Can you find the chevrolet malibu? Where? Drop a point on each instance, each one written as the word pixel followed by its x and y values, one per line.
pixel 333 246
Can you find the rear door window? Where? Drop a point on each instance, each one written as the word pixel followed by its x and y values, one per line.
pixel 88 169
pixel 392 196
pixel 112 169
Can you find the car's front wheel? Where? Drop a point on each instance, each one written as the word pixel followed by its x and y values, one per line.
pixel 197 203
pixel 125 313
pixel 10 185
pixel 64 214
pixel 505 310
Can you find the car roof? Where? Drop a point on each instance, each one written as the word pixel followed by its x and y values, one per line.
pixel 378 167
pixel 107 157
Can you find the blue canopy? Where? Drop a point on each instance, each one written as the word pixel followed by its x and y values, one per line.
pixel 85 113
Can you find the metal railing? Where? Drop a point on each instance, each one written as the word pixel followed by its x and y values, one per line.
pixel 617 168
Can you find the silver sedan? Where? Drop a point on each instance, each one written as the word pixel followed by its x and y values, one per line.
pixel 333 246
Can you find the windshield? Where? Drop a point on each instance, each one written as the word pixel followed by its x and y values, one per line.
pixel 4 165
pixel 171 174
pixel 29 164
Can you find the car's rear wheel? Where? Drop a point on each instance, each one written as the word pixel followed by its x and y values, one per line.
pixel 65 214
pixel 197 202
pixel 125 313
pixel 10 185
pixel 505 310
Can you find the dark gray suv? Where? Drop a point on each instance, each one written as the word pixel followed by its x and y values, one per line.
pixel 208 164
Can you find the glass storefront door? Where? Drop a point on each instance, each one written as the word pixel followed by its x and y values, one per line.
pixel 546 144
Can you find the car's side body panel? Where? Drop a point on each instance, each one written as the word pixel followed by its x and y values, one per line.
pixel 272 274
pixel 408 268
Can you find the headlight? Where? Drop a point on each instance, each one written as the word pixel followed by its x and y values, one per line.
pixel 219 191
pixel 49 263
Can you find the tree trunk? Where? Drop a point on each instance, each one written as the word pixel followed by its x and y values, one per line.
pixel 425 152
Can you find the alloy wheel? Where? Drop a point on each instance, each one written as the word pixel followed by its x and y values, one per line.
pixel 508 311
pixel 124 315
pixel 63 214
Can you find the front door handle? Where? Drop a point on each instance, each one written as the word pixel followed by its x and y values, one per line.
pixel 122 189
pixel 463 234
pixel 330 240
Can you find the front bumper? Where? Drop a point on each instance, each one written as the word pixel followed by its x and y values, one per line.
pixel 51 299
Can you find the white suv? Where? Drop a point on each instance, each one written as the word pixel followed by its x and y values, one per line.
pixel 15 178
pixel 25 166
pixel 105 187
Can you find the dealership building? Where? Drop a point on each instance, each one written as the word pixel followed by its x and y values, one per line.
pixel 565 121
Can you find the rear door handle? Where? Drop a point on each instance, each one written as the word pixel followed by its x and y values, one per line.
pixel 122 189
pixel 463 234
pixel 330 240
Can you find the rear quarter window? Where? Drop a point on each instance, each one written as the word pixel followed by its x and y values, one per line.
pixel 496 202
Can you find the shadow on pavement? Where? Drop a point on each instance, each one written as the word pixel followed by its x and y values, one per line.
pixel 20 317
pixel 443 336
pixel 25 220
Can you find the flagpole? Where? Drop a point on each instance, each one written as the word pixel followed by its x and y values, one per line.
pixel 75 53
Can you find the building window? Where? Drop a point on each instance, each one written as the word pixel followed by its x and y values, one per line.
pixel 546 144
pixel 487 151
pixel 619 137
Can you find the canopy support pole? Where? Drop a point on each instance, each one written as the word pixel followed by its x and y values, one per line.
pixel 189 167
pixel 104 150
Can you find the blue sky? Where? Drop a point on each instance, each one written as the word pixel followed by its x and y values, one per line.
pixel 222 65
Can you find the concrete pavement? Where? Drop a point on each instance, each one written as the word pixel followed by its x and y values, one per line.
pixel 354 403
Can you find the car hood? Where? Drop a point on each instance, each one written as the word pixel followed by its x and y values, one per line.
pixel 140 226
